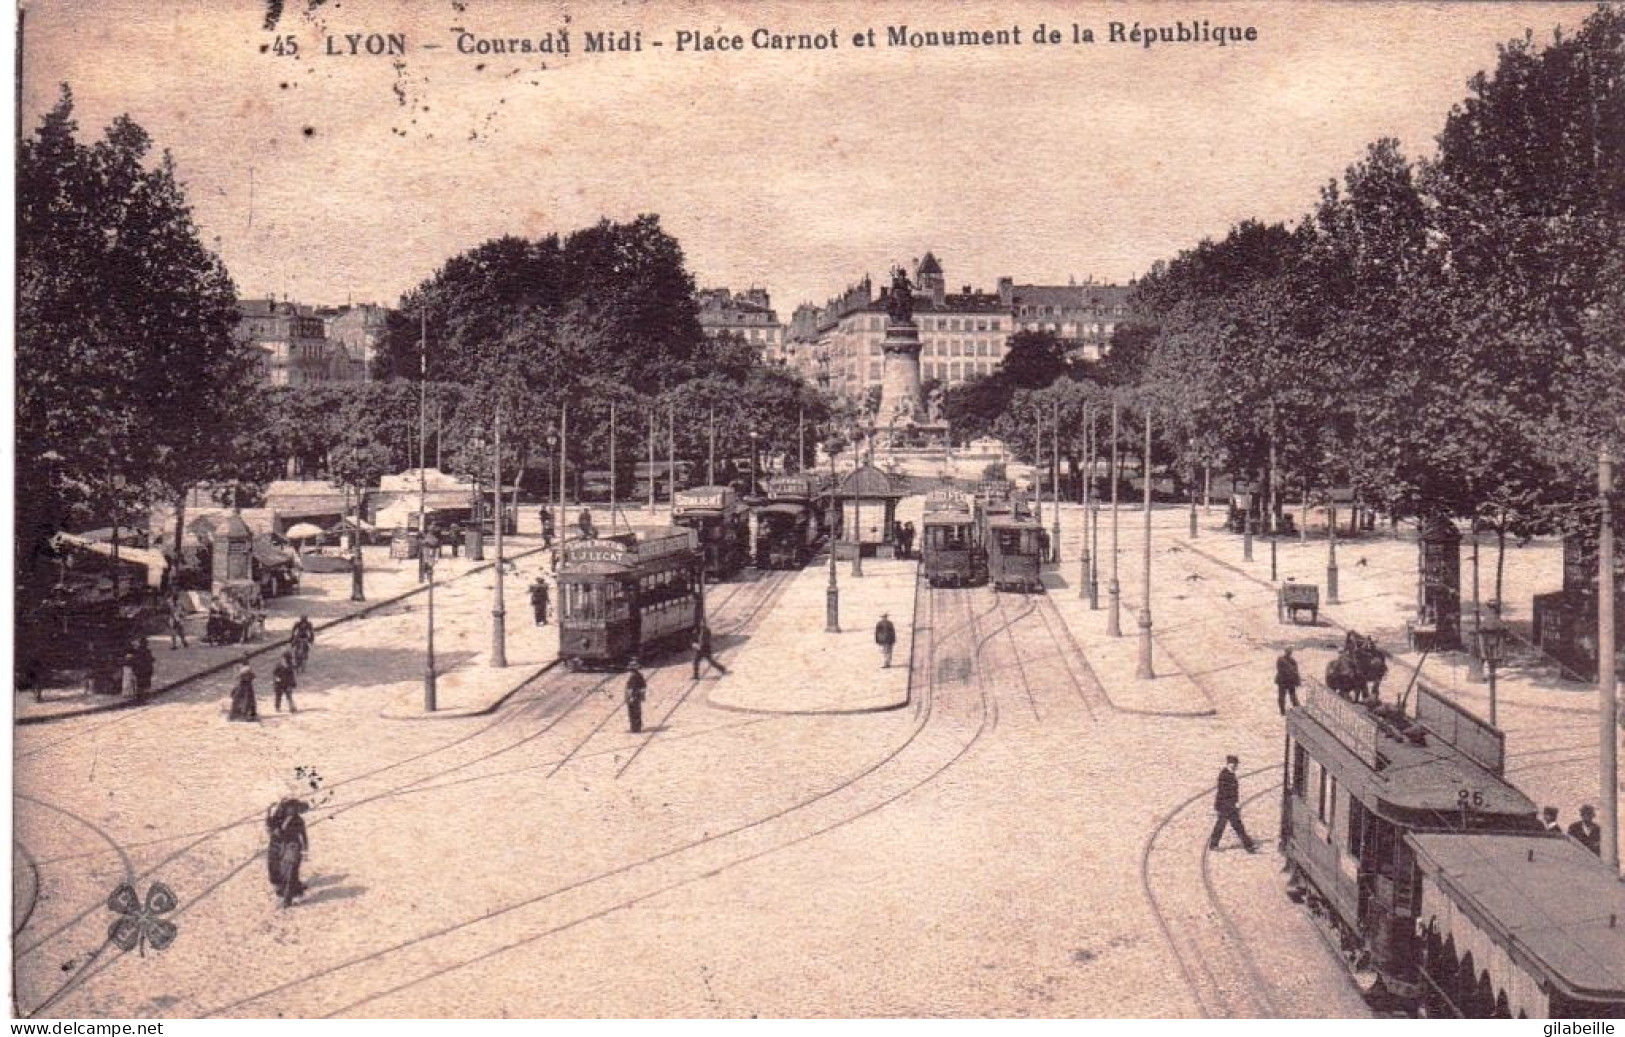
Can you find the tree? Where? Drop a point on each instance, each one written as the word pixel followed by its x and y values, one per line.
pixel 131 386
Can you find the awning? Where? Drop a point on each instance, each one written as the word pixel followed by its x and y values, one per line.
pixel 154 561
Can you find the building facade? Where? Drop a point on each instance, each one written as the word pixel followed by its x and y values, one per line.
pixel 1081 314
pixel 748 314
pixel 963 335
pixel 357 330
pixel 293 344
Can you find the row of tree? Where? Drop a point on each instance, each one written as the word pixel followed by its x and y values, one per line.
pixel 1445 335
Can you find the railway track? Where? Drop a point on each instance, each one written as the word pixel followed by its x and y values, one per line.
pixel 544 700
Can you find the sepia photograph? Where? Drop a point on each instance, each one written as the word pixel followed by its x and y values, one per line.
pixel 900 510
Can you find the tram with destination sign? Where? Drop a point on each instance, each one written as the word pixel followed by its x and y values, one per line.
pixel 721 522
pixel 625 595
pixel 1016 545
pixel 1434 874
pixel 951 548
pixel 786 525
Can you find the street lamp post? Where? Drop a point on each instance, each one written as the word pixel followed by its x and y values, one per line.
pixel 1114 592
pixel 754 437
pixel 832 596
pixel 1088 477
pixel 1055 481
pixel 1607 678
pixel 1144 670
pixel 499 613
pixel 553 441
pixel 1094 523
pixel 1247 524
pixel 1331 548
pixel 430 704
pixel 564 433
pixel 1475 655
pixel 1491 639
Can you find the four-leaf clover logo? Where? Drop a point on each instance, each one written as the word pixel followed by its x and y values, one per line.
pixel 138 926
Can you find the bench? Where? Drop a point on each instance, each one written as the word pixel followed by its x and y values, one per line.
pixel 1293 598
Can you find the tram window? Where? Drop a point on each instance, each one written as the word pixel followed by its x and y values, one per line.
pixel 1328 798
pixel 1300 765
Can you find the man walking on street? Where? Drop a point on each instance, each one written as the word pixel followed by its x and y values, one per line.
pixel 547 527
pixel 177 624
pixel 637 689
pixel 702 650
pixel 886 638
pixel 283 682
pixel 1286 680
pixel 538 601
pixel 304 635
pixel 1227 804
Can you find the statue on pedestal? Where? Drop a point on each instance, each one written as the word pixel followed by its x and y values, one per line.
pixel 900 301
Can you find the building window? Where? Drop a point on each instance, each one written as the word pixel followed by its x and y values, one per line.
pixel 981 348
pixel 874 349
pixel 874 372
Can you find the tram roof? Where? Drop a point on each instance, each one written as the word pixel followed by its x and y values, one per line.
pixel 1013 520
pixel 949 517
pixel 1428 777
pixel 1547 900
pixel 783 508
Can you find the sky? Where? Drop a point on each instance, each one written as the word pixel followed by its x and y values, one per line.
pixel 333 178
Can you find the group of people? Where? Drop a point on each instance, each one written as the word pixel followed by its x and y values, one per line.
pixel 905 539
pixel 285 824
pixel 284 677
pixel 637 686
pixel 1585 831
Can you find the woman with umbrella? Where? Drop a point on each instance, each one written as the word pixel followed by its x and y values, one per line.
pixel 285 826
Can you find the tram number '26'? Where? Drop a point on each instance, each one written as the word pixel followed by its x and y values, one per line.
pixel 1470 799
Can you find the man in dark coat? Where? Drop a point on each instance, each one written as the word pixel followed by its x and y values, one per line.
pixel 886 638
pixel 1286 680
pixel 1227 804
pixel 584 523
pixel 702 650
pixel 283 682
pixel 547 527
pixel 637 689
pixel 303 637
pixel 1548 820
pixel 177 624
pixel 1586 830
pixel 538 601
pixel 141 664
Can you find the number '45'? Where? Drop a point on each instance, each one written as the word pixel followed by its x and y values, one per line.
pixel 285 46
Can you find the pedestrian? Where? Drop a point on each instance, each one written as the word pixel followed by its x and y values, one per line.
pixel 243 704
pixel 357 568
pixel 908 540
pixel 456 540
pixel 1548 820
pixel 141 665
pixel 538 600
pixel 584 523
pixel 302 639
pixel 1587 831
pixel 547 527
pixel 702 649
pixel 1227 805
pixel 283 682
pixel 886 638
pixel 1286 681
pixel 637 689
pixel 289 843
pixel 177 624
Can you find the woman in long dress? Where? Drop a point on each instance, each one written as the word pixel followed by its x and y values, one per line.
pixel 243 704
pixel 288 844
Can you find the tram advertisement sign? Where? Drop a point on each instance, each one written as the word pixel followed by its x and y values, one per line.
pixel 597 551
pixel 702 500
pixel 1350 724
pixel 789 486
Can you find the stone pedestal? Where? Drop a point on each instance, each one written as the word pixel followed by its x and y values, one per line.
pixel 903 422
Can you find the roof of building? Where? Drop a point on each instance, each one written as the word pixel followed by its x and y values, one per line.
pixel 929 265
pixel 1069 296
pixel 868 482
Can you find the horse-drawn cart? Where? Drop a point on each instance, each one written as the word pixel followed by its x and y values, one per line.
pixel 1293 598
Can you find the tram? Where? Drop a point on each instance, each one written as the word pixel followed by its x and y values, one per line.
pixel 786 526
pixel 1406 841
pixel 1016 545
pixel 622 595
pixel 722 524
pixel 951 544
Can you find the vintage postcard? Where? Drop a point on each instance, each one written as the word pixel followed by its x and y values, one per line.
pixel 817 509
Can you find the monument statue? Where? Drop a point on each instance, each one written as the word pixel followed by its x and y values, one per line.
pixel 900 301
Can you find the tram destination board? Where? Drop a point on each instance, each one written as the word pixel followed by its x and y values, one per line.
pixel 1353 727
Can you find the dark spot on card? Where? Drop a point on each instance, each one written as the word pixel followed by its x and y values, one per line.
pixel 310 131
